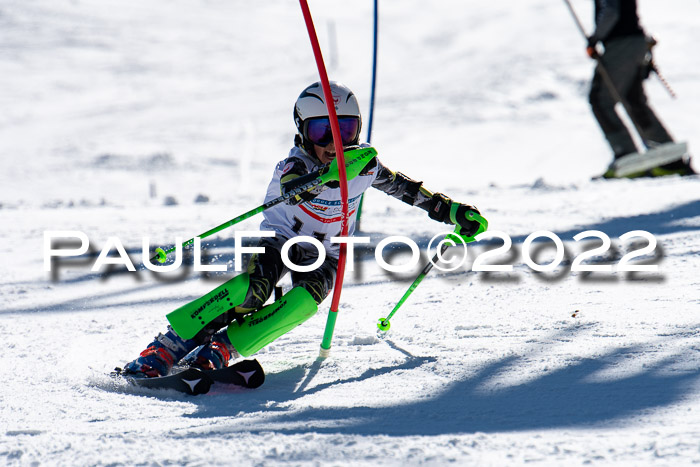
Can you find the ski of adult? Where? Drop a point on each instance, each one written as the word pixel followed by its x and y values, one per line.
pixel 655 157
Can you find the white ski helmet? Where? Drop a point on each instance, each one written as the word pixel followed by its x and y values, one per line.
pixel 311 116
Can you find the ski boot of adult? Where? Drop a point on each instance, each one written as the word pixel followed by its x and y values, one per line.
pixel 610 174
pixel 681 167
pixel 159 357
pixel 215 355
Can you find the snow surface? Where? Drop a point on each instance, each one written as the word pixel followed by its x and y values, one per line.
pixel 118 115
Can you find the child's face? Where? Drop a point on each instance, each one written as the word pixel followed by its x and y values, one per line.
pixel 325 154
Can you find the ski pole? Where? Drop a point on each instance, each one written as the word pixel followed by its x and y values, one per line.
pixel 605 75
pixel 383 324
pixel 651 43
pixel 357 160
pixel 668 87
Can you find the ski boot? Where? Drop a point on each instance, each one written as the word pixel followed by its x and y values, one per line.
pixel 681 167
pixel 160 356
pixel 216 354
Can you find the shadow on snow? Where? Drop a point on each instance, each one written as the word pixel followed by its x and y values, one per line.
pixel 573 396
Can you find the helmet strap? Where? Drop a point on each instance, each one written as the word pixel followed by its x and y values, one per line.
pixel 304 146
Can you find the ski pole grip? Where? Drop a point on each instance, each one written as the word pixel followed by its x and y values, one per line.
pixel 160 255
pixel 300 181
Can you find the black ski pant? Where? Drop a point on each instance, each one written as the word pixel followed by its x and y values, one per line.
pixel 266 269
pixel 624 60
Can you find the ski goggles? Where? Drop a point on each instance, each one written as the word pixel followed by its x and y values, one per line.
pixel 318 130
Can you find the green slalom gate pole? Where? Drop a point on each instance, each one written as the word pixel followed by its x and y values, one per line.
pixel 383 324
pixel 357 160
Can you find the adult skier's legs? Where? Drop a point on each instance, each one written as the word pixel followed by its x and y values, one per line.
pixel 625 62
pixel 622 59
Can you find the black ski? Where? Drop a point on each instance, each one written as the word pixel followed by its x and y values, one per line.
pixel 246 373
pixel 190 381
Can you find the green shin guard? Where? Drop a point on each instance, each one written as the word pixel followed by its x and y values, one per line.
pixel 189 319
pixel 267 324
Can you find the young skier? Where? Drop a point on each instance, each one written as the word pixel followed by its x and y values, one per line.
pixel 247 325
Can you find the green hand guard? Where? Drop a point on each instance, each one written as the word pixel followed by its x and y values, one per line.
pixel 470 215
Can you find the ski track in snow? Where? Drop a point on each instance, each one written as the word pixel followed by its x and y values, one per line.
pixel 162 120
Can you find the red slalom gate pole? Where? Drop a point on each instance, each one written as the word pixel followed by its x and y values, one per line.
pixel 337 141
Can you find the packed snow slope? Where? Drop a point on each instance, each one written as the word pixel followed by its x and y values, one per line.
pixel 163 119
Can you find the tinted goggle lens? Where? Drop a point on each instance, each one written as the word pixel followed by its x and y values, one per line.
pixel 318 130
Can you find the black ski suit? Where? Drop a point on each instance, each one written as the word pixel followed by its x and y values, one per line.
pixel 626 61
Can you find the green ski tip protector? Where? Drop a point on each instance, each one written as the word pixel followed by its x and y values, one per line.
pixel 161 255
pixel 383 325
